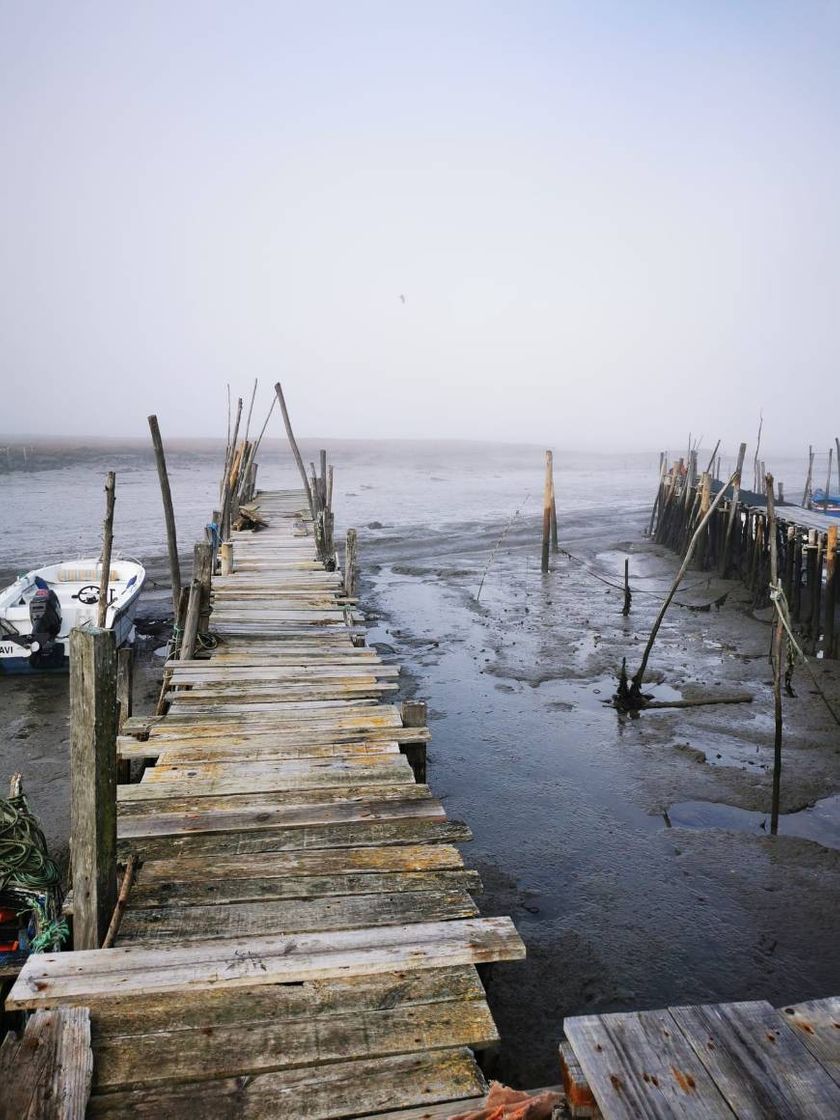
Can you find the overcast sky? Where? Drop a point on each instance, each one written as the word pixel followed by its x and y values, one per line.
pixel 579 223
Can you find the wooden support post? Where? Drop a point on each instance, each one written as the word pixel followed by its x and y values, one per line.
pixel 828 479
pixel 293 444
pixel 168 513
pixel 628 598
pixel 175 649
pixel 203 571
pixel 350 562
pixel 125 683
pixel 555 547
pixel 830 592
pixel 777 659
pixel 733 511
pixel 790 548
pixel 806 497
pixel 226 557
pixel 125 696
pixel 547 488
pixel 93 778
pixel 415 714
pixel 107 545
pixel 191 625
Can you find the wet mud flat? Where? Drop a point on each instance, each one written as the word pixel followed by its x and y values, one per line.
pixel 570 805
pixel 633 854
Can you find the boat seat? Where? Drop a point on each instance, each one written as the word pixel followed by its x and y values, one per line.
pixel 84 575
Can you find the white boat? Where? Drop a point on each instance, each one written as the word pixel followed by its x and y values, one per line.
pixel 38 611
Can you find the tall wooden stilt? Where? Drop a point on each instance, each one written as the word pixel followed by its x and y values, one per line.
pixel 93 779
pixel 547 489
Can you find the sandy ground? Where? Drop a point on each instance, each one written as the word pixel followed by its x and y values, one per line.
pixel 630 853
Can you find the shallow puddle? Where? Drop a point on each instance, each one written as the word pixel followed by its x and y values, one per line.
pixel 819 822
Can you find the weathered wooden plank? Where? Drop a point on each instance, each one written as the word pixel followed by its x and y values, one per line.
pixel 167 843
pixel 758 1065
pixel 817 1024
pixel 261 744
pixel 275 799
pixel 640 1064
pixel 120 1016
pixel 294 865
pixel 156 926
pixel 253 888
pixel 261 1046
pixel 72 978
pixel 282 816
pixel 315 1093
pixel 46 1073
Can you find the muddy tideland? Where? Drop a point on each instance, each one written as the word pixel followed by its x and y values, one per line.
pixel 633 854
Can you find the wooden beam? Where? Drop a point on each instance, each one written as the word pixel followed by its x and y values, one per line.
pixel 93 777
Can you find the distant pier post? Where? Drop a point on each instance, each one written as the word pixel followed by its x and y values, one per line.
pixel 548 494
pixel 93 778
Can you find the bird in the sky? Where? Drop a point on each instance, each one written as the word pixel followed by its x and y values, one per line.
pixel 402 297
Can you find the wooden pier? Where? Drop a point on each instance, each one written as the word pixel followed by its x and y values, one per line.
pixel 301 938
pixel 736 543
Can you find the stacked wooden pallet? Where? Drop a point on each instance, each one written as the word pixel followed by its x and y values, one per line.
pixel 301 939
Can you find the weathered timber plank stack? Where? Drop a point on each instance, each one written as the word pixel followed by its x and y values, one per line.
pixel 301 939
pixel 736 544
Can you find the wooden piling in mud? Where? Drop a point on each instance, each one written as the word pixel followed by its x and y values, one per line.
pixel 777 652
pixel 548 488
pixel 829 644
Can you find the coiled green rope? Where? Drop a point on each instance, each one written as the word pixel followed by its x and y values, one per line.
pixel 24 861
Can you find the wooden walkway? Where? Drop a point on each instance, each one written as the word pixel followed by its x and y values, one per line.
pixel 301 939
pixel 713 1062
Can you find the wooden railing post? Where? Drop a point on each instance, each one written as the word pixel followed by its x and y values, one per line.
pixel 125 694
pixel 93 778
pixel 191 625
pixel 415 714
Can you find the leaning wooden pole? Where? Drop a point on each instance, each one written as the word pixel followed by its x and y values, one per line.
pixel 278 388
pixel 107 546
pixel 776 658
pixel 547 489
pixel 93 783
pixel 168 513
pixel 733 509
pixel 638 677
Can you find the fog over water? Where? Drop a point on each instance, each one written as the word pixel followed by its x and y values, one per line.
pixel 587 225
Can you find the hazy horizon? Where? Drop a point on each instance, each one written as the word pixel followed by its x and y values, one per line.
pixel 577 226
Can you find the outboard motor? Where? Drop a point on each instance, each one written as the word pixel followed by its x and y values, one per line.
pixel 45 620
